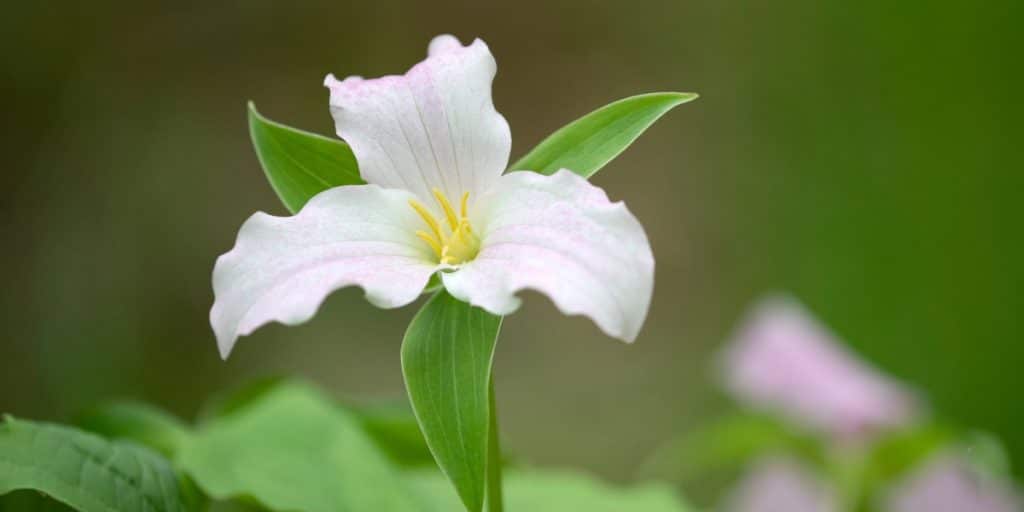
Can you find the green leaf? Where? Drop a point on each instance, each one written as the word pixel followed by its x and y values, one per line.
pixel 987 453
pixel 294 450
pixel 558 491
pixel 300 164
pixel 896 453
pixel 588 143
pixel 231 401
pixel 137 422
pixel 31 501
pixel 393 426
pixel 446 360
pixel 85 471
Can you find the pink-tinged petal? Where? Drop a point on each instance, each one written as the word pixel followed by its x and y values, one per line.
pixel 780 485
pixel 948 484
pixel 435 126
pixel 561 236
pixel 783 360
pixel 282 268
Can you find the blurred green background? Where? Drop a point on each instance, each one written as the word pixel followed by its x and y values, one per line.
pixel 865 156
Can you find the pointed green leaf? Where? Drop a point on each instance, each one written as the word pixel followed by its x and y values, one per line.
pixel 588 143
pixel 446 360
pixel 86 472
pixel 291 449
pixel 137 422
pixel 300 164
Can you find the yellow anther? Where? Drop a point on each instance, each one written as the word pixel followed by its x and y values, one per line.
pixel 465 199
pixel 453 221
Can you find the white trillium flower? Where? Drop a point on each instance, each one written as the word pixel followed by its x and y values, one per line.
pixel 432 148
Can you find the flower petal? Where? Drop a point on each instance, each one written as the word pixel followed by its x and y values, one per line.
pixel 783 359
pixel 435 126
pixel 561 236
pixel 282 268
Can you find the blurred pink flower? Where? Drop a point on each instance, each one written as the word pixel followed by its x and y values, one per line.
pixel 780 485
pixel 945 484
pixel 948 484
pixel 784 361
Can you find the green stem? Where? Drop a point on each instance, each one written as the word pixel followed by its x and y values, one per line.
pixel 493 496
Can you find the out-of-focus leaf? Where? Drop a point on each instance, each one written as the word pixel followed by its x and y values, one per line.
pixel 226 403
pixel 446 360
pixel 588 143
pixel 393 426
pixel 31 501
pixel 292 449
pixel 234 506
pixel 731 443
pixel 137 422
pixel 987 453
pixel 85 471
pixel 300 164
pixel 899 451
pixel 557 491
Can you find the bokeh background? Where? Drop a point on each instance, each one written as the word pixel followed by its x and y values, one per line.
pixel 865 156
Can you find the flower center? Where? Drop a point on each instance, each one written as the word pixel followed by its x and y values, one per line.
pixel 453 242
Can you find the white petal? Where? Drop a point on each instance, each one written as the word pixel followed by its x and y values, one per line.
pixel 435 126
pixel 561 236
pixel 780 485
pixel 282 268
pixel 782 359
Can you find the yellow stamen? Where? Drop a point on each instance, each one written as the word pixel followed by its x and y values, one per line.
pixel 455 245
pixel 428 218
pixel 431 241
pixel 464 232
pixel 453 221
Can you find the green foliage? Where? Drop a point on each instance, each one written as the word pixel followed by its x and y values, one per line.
pixel 558 491
pixel 278 446
pixel 31 501
pixel 85 471
pixel 300 164
pixel 393 426
pixel 138 422
pixel 230 401
pixel 588 143
pixel 446 360
pixel 292 449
